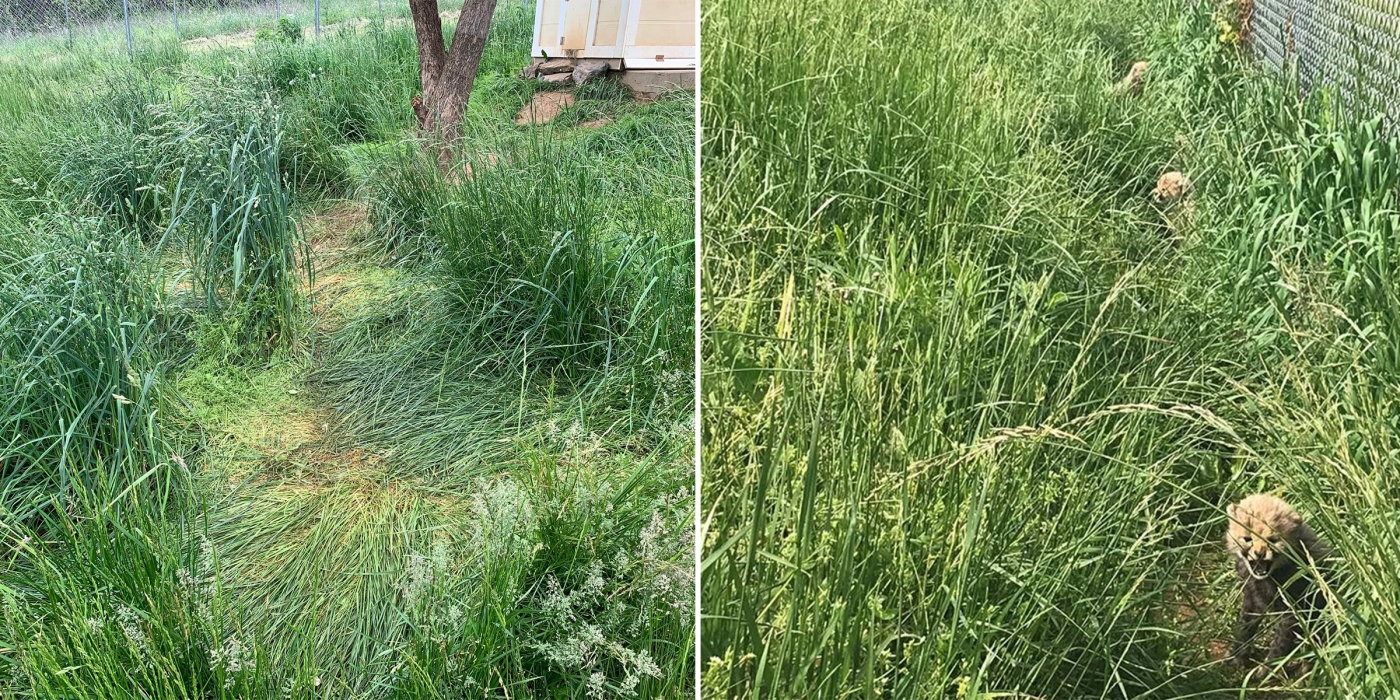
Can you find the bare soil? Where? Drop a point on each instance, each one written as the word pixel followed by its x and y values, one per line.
pixel 544 107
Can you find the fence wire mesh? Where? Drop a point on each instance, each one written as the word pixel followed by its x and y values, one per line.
pixel 1350 45
pixel 137 24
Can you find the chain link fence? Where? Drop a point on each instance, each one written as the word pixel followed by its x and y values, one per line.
pixel 1351 45
pixel 134 24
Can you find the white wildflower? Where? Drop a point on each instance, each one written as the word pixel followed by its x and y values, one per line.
pixel 573 437
pixel 594 585
pixel 649 542
pixel 130 622
pixel 597 685
pixel 419 577
pixel 206 554
pixel 235 658
pixel 503 519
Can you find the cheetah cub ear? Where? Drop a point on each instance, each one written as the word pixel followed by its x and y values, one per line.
pixel 1230 511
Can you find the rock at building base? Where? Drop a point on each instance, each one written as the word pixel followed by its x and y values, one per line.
pixel 588 70
pixel 555 65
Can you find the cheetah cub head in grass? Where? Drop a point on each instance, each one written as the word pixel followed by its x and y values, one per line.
pixel 1262 531
pixel 1171 187
pixel 1131 84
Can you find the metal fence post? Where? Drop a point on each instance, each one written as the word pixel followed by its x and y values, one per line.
pixel 279 9
pixel 69 16
pixel 175 9
pixel 126 17
pixel 318 19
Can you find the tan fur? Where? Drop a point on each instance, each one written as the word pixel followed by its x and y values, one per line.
pixel 1131 84
pixel 420 110
pixel 1171 187
pixel 1264 527
pixel 1260 526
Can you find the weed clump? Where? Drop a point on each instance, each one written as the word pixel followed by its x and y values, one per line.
pixel 82 338
pixel 249 258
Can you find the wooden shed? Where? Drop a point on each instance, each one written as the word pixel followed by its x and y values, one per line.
pixel 631 35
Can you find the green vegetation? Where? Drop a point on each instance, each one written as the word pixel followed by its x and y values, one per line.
pixel 294 410
pixel 42 24
pixel 974 403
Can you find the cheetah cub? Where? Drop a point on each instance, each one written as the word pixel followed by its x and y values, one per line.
pixel 1131 84
pixel 1276 557
pixel 1171 188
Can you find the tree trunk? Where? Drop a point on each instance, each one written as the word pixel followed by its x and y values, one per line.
pixel 447 75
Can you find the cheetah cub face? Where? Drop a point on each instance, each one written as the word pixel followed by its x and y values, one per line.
pixel 1261 530
pixel 1171 187
pixel 1134 77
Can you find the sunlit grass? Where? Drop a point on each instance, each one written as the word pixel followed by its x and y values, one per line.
pixel 249 450
pixel 973 403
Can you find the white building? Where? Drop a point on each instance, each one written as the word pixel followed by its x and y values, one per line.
pixel 652 41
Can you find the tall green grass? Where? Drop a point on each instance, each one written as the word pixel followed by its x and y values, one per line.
pixel 520 235
pixel 237 466
pixel 249 263
pixel 562 259
pixel 81 360
pixel 974 404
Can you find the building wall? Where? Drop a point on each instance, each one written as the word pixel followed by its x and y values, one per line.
pixel 666 23
pixel 547 25
pixel 610 23
pixel 662 27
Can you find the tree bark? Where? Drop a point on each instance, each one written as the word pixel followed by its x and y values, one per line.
pixel 447 74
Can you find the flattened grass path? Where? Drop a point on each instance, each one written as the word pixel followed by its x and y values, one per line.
pixel 314 533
